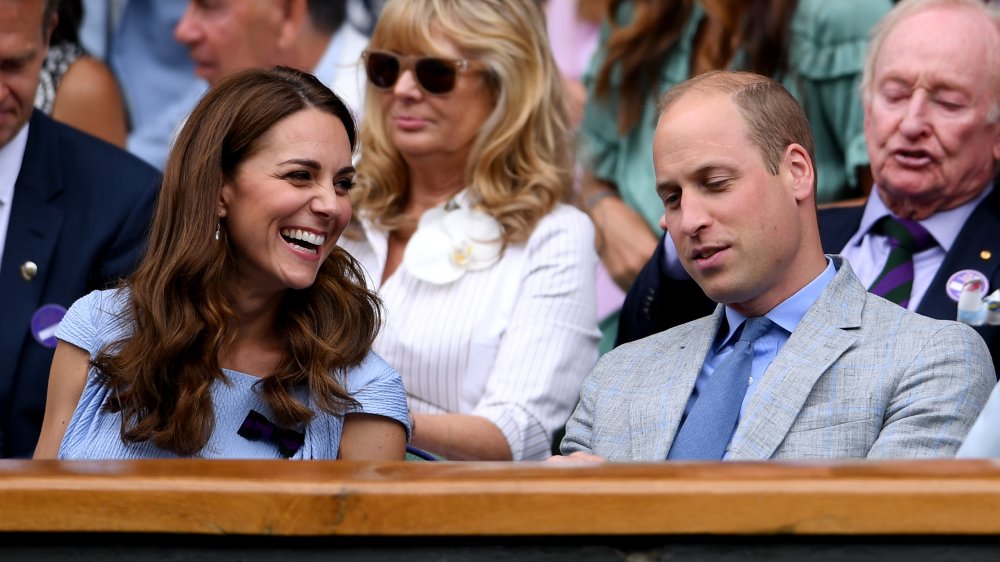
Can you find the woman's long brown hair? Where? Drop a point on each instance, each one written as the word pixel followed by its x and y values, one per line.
pixel 638 49
pixel 180 319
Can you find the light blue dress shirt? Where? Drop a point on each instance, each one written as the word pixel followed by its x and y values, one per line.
pixel 785 317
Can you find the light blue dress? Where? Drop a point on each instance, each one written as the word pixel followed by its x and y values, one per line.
pixel 99 318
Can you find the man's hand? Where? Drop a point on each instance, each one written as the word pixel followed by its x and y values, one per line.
pixel 578 457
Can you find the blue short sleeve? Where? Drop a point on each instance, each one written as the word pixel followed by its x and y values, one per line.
pixel 94 320
pixel 378 389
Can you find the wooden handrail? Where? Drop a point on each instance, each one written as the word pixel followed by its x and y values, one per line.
pixel 362 499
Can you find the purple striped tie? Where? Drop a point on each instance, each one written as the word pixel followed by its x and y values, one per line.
pixel 906 237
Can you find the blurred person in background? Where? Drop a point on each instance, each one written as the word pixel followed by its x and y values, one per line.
pixel 76 88
pixel 487 277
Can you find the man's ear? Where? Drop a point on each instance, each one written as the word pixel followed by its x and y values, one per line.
pixel 798 167
pixel 52 27
pixel 996 141
pixel 294 16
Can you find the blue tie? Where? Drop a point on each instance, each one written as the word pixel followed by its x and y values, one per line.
pixel 711 422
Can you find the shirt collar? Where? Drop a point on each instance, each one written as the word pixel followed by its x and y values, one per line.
pixel 790 312
pixel 11 157
pixel 944 226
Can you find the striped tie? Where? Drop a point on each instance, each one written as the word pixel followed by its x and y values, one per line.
pixel 906 237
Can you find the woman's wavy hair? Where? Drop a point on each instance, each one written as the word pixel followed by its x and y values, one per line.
pixel 181 319
pixel 636 50
pixel 521 162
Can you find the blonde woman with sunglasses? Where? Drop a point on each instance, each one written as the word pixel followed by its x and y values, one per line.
pixel 487 277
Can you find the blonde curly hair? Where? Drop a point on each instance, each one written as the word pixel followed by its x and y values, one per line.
pixel 521 161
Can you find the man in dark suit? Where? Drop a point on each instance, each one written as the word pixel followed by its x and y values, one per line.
pixel 74 212
pixel 933 135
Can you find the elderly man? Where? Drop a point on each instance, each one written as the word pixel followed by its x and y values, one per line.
pixel 798 360
pixel 933 136
pixel 74 212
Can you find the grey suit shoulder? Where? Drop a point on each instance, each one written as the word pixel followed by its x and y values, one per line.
pixel 860 377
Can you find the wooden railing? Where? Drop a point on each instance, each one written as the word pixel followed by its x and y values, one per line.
pixel 195 497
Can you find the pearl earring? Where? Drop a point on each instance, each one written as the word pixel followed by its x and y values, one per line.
pixel 218 228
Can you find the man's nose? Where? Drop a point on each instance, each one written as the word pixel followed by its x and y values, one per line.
pixel 914 123
pixel 693 214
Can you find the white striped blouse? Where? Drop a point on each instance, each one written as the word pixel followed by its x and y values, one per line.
pixel 511 343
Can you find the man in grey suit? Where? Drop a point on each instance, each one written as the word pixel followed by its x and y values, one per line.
pixel 799 360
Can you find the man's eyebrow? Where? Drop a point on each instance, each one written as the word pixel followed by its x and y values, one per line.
pixel 663 186
pixel 699 172
pixel 20 57
pixel 711 167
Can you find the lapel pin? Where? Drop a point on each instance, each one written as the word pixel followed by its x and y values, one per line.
pixel 958 280
pixel 985 255
pixel 44 322
pixel 28 270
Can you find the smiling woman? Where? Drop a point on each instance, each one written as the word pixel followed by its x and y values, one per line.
pixel 245 332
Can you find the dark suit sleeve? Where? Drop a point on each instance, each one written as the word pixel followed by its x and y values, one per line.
pixel 655 302
pixel 128 243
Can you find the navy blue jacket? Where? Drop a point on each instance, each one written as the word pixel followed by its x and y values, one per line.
pixel 81 213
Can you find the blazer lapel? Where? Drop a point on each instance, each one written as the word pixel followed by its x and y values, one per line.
pixel 823 335
pixel 655 415
pixel 34 227
pixel 979 237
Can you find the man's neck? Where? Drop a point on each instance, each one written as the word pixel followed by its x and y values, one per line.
pixel 308 48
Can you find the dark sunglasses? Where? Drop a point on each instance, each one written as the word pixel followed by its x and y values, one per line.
pixel 435 75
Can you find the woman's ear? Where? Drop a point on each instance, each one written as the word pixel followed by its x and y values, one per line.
pixel 225 196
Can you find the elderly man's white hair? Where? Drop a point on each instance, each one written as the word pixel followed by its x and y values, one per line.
pixel 907 8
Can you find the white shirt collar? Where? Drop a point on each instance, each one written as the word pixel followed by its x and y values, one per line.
pixel 328 64
pixel 11 157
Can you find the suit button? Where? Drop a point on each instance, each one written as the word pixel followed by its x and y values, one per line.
pixel 29 270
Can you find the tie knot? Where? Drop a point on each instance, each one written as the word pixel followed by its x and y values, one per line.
pixel 905 233
pixel 754 328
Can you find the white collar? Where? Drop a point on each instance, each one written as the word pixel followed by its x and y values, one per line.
pixel 11 157
pixel 328 65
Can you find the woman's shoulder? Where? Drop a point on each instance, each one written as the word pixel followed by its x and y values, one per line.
pixel 95 319
pixel 829 39
pixel 372 369
pixel 830 23
pixel 89 98
pixel 564 220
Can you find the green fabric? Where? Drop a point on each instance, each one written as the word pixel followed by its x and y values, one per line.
pixel 416 458
pixel 826 55
pixel 609 332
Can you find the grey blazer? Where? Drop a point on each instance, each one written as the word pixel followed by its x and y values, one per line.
pixel 860 377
